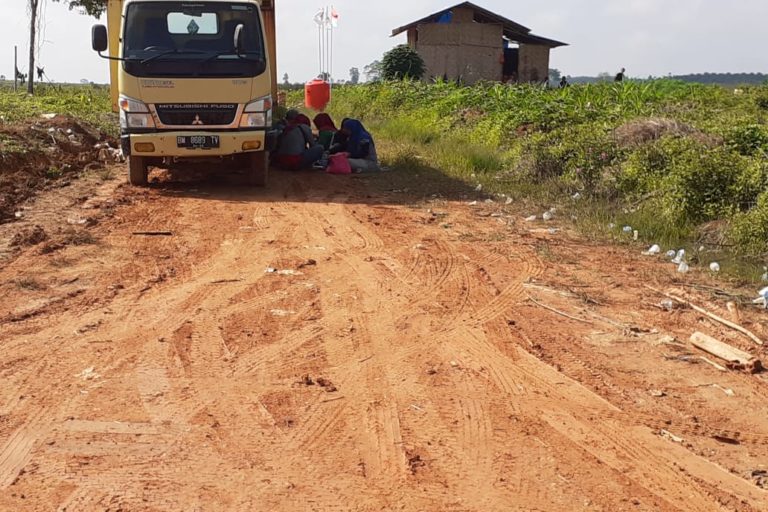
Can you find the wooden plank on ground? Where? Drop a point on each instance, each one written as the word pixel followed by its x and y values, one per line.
pixel 737 359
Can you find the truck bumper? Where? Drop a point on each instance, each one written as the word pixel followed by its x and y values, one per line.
pixel 163 144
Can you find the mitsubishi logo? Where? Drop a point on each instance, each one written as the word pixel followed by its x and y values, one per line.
pixel 197 120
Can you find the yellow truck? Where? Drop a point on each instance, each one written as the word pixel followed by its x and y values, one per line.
pixel 192 81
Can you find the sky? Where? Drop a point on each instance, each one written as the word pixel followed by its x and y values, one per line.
pixel 648 37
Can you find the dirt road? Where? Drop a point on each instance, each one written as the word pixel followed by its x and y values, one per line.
pixel 333 344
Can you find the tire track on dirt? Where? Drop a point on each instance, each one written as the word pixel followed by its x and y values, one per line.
pixel 576 404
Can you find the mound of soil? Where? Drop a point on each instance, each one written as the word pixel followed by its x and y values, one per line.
pixel 44 154
pixel 640 131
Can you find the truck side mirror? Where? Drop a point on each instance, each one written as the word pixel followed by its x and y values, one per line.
pixel 99 39
pixel 239 38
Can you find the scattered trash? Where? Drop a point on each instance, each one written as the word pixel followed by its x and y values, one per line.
pixel 657 393
pixel 714 267
pixel 489 201
pixel 672 437
pixel 48 116
pixel 88 374
pixel 668 305
pixel 509 201
pixel 679 257
pixel 532 218
pixel 18 215
pixel 653 251
pixel 683 268
pixel 763 298
pixel 727 391
pixel 671 254
pixel 454 364
pixel 479 188
pixel 636 235
pixel 627 229
pixel 576 196
pixel 548 216
pixel 473 203
pixel 553 231
pixel 289 272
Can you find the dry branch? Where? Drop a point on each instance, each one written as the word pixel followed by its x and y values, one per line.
pixel 713 316
pixel 557 311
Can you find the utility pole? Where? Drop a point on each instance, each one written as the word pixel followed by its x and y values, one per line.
pixel 15 68
pixel 32 32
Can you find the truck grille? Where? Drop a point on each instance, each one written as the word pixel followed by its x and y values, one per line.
pixel 196 114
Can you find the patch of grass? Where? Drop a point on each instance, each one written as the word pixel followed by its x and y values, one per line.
pixel 665 157
pixel 91 103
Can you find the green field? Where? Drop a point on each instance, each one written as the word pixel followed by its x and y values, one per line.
pixel 91 103
pixel 684 164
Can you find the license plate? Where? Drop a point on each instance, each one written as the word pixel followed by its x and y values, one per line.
pixel 197 141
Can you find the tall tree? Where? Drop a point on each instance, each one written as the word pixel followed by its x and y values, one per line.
pixel 33 5
pixel 91 7
pixel 402 63
pixel 372 71
pixel 354 76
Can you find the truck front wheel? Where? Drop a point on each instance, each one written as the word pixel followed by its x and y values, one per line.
pixel 138 171
pixel 258 169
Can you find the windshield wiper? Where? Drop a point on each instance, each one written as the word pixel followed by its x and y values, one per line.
pixel 170 52
pixel 224 53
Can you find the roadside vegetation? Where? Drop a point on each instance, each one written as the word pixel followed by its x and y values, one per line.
pixel 88 103
pixel 686 165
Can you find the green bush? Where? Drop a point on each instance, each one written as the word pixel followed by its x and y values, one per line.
pixel 748 140
pixel 645 168
pixel 749 230
pixel 705 184
pixel 402 63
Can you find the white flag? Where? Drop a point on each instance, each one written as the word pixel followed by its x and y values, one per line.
pixel 320 17
pixel 334 17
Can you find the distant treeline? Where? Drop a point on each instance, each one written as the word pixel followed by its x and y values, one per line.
pixel 731 79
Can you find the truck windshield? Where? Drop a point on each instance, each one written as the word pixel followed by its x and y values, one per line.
pixel 192 39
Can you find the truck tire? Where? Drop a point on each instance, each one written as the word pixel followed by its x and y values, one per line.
pixel 258 169
pixel 138 171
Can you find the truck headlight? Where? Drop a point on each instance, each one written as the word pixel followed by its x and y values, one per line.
pixel 134 114
pixel 257 113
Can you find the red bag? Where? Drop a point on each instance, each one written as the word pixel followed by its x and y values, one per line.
pixel 339 164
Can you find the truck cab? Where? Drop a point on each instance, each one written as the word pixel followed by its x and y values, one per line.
pixel 192 81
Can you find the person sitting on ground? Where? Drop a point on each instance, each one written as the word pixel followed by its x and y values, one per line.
pixel 355 140
pixel 297 148
pixel 564 82
pixel 620 75
pixel 326 130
